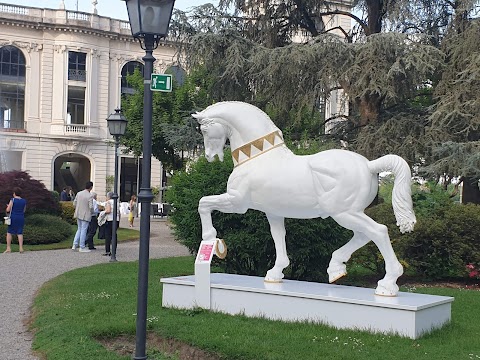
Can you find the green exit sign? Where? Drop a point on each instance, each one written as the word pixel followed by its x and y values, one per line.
pixel 161 82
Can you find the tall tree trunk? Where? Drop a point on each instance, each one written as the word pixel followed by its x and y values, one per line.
pixel 369 108
pixel 369 105
pixel 375 16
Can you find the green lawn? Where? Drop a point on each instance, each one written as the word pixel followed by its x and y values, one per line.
pixel 74 309
pixel 124 234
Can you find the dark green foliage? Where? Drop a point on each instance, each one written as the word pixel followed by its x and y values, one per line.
pixel 431 200
pixel 68 210
pixel 56 195
pixel 441 246
pixel 310 244
pixel 39 199
pixel 444 241
pixel 251 250
pixel 456 116
pixel 42 229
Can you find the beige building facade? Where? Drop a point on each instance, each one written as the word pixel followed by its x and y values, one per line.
pixel 61 74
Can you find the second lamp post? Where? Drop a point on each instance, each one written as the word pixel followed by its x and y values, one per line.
pixel 117 123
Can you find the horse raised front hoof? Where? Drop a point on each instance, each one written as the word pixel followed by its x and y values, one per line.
pixel 273 276
pixel 386 289
pixel 337 272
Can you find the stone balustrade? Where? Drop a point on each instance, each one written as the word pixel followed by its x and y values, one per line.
pixel 58 17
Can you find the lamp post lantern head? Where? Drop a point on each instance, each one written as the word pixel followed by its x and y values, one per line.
pixel 149 18
pixel 117 123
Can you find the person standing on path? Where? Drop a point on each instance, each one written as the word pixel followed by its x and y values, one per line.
pixel 83 213
pixel 109 223
pixel 132 207
pixel 16 207
pixel 92 227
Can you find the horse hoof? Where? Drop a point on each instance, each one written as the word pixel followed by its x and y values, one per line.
pixel 271 277
pixel 385 290
pixel 334 277
pixel 336 271
pixel 272 281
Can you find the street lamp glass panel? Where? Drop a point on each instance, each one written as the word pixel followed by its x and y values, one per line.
pixel 149 17
pixel 117 123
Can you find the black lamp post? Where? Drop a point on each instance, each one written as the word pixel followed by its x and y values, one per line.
pixel 149 21
pixel 117 123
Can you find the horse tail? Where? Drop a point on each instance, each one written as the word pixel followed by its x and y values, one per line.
pixel 402 193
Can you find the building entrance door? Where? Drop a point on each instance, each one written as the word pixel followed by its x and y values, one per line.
pixel 72 170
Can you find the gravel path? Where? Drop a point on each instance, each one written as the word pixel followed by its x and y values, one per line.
pixel 21 275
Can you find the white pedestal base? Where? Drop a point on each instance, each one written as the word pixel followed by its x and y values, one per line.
pixel 408 314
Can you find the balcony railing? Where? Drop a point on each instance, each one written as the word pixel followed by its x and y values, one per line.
pixel 12 125
pixel 77 75
pixel 73 15
pixel 12 9
pixel 38 15
pixel 77 129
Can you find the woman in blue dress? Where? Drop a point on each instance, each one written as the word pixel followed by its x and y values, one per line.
pixel 16 207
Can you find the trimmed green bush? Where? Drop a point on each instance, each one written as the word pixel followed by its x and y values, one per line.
pixel 430 199
pixel 251 250
pixel 445 239
pixel 442 246
pixel 45 229
pixel 68 210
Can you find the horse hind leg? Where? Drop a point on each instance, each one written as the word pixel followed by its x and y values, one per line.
pixel 337 268
pixel 379 235
pixel 277 229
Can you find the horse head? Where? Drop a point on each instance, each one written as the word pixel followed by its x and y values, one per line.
pixel 214 136
pixel 240 122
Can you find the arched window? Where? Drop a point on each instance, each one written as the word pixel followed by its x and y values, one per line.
pixel 12 88
pixel 178 73
pixel 128 69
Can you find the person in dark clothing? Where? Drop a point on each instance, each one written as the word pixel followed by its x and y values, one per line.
pixel 92 227
pixel 16 207
pixel 64 195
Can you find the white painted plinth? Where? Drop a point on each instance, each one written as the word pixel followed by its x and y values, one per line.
pixel 408 314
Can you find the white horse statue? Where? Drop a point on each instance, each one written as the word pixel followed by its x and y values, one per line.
pixel 268 177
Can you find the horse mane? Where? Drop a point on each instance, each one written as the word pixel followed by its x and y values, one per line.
pixel 204 119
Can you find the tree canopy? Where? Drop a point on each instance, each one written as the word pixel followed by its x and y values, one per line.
pixel 173 131
pixel 409 70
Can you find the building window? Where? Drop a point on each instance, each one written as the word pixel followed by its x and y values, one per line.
pixel 129 69
pixel 130 177
pixel 178 73
pixel 76 105
pixel 77 66
pixel 12 88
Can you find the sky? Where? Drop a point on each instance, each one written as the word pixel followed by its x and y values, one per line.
pixel 111 8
